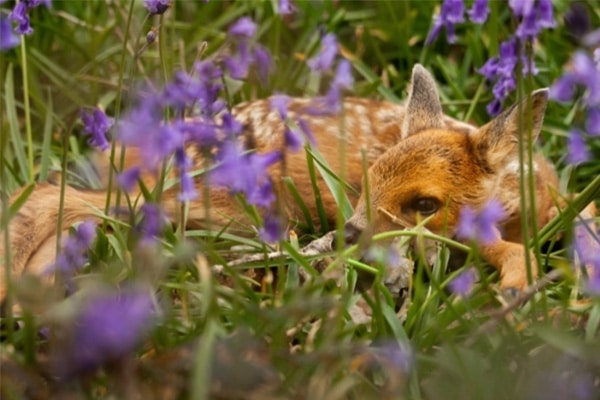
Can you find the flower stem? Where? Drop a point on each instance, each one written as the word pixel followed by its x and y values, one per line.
pixel 27 109
pixel 113 146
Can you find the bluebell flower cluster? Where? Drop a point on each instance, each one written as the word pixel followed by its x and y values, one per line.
pixel 213 130
pixel 97 124
pixel 285 7
pixel 323 62
pixel 157 7
pixel 108 326
pixel 452 13
pixel 245 172
pixel 481 226
pixel 72 256
pixel 20 16
pixel 533 17
pixel 296 130
pixel 151 224
pixel 586 247
pixel 582 77
pixel 247 52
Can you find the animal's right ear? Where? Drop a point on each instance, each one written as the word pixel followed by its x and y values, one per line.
pixel 497 141
pixel 423 108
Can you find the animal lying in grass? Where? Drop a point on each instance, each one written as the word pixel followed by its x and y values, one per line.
pixel 422 164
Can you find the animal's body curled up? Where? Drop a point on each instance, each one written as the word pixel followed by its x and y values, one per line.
pixel 420 162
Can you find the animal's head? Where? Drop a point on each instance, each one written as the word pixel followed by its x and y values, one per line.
pixel 436 169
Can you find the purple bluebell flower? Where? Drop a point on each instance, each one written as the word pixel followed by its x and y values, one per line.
pixel 452 13
pixel 545 14
pixel 323 61
pixel 97 124
pixel 20 16
pixel 331 103
pixel 343 75
pixel 585 74
pixel 35 3
pixel 152 222
pixel 8 39
pixel 157 6
pixel 188 189
pixel 520 8
pixel 208 96
pixel 239 64
pixel 231 126
pixel 143 129
pixel 272 230
pixel 494 107
pixel 397 357
pixel 464 282
pixel 285 7
pixel 129 178
pixel 293 138
pixel 108 326
pixel 578 152
pixel 501 69
pixel 202 132
pixel 264 63
pixel 182 91
pixel 303 125
pixel 480 226
pixel 72 257
pixel 479 12
pixel 577 19
pixel 244 27
pixel 586 246
pixel 535 16
pixel 279 103
pixel 563 89
pixel 592 124
pixel 246 173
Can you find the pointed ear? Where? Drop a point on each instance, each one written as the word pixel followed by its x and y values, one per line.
pixel 423 108
pixel 498 140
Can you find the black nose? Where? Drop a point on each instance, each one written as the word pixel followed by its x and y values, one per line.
pixel 351 233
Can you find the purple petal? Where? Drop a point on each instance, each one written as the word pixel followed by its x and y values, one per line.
pixel 578 150
pixel 243 27
pixel 479 12
pixel 324 60
pixel 463 283
pixel 129 178
pixel 8 39
pixel 592 124
pixel 279 103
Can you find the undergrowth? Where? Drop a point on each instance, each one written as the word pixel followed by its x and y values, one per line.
pixel 292 326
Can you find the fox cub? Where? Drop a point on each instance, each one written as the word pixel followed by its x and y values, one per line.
pixel 422 164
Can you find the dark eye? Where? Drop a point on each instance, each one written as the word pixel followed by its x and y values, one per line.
pixel 426 205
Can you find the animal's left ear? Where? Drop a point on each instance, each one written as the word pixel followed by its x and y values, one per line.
pixel 498 140
pixel 423 108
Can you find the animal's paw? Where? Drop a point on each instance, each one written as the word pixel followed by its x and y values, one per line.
pixel 513 268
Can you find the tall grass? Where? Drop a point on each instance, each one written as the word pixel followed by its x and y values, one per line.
pixel 277 327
